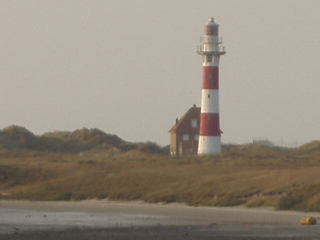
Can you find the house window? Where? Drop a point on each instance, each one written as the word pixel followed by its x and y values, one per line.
pixel 196 137
pixel 194 123
pixel 185 137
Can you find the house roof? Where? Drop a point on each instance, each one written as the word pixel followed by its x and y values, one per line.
pixel 182 124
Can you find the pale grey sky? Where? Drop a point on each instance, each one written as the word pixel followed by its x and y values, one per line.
pixel 129 67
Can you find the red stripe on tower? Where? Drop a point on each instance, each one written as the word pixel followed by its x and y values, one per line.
pixel 210 49
pixel 210 77
pixel 210 124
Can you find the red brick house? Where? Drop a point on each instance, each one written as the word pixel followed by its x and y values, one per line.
pixel 185 133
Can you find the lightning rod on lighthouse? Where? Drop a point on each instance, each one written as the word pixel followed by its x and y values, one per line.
pixel 211 50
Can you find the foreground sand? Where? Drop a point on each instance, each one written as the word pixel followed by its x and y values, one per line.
pixel 134 220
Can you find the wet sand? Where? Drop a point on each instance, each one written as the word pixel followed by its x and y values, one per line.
pixel 135 220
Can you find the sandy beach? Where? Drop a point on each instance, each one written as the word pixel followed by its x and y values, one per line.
pixel 137 220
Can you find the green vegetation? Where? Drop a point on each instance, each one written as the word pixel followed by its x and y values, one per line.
pixel 19 138
pixel 108 167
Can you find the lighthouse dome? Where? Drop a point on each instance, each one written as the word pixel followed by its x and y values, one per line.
pixel 211 28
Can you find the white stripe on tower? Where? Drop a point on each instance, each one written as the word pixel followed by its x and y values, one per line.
pixel 210 133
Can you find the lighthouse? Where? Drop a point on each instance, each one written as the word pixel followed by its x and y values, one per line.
pixel 210 49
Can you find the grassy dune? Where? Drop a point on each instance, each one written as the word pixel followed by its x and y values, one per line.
pixel 248 175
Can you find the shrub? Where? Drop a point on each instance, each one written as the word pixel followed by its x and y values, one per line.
pixel 289 202
pixel 66 196
pixel 150 148
pixel 262 201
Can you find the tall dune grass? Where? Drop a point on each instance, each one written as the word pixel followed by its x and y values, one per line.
pixel 248 175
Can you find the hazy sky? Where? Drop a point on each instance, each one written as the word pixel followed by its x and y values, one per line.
pixel 129 67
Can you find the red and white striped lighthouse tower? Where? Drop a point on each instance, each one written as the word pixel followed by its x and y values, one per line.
pixel 210 49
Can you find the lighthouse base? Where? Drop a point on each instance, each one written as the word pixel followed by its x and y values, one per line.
pixel 209 145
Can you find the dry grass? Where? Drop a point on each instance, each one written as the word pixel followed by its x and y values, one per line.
pixel 251 175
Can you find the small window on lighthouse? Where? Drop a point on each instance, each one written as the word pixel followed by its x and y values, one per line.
pixel 209 58
pixel 208 95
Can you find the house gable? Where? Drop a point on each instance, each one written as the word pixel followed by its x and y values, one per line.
pixel 185 133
